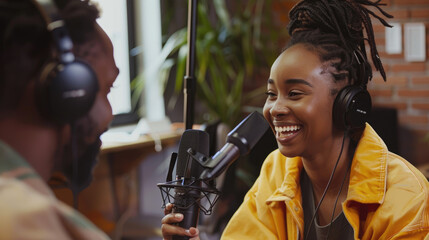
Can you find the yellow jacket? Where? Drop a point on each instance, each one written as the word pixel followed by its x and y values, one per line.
pixel 387 198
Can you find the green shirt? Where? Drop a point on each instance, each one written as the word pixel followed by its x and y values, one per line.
pixel 30 210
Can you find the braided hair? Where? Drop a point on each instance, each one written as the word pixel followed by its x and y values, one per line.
pixel 26 45
pixel 335 28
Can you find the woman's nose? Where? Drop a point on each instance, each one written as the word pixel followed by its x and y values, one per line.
pixel 279 108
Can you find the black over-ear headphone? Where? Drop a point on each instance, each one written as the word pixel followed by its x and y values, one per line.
pixel 352 105
pixel 67 86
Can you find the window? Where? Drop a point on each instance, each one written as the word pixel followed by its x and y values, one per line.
pixel 113 19
pixel 145 30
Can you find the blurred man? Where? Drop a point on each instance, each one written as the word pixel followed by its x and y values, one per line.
pixel 47 125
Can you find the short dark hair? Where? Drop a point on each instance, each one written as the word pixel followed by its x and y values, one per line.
pixel 26 45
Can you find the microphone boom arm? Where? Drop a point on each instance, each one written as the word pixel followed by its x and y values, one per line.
pixel 213 167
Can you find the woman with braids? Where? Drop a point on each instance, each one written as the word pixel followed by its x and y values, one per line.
pixel 332 177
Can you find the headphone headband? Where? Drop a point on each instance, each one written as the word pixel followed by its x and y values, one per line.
pixel 48 10
pixel 56 25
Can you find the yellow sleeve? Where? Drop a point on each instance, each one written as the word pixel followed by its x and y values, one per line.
pixel 255 219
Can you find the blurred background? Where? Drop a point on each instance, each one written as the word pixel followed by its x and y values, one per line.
pixel 237 41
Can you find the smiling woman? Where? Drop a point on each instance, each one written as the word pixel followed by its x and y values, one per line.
pixel 332 176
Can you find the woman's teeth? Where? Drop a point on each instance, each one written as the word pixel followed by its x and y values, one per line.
pixel 287 131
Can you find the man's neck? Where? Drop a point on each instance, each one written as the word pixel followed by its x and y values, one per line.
pixel 36 144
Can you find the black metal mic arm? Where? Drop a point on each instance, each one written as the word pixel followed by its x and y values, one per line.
pixel 214 166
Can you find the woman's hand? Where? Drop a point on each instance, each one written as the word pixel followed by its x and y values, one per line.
pixel 168 229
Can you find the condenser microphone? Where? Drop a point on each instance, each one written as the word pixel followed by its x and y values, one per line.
pixel 195 170
pixel 239 143
pixel 188 188
pixel 197 141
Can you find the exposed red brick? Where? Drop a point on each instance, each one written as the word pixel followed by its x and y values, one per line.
pixel 420 80
pixel 421 106
pixel 408 67
pixel 411 2
pixel 387 2
pixel 377 79
pixel 400 14
pixel 380 41
pixel 420 13
pixel 380 92
pixel 409 81
pixel 379 28
pixel 385 66
pixel 393 80
pixel 413 93
pixel 383 55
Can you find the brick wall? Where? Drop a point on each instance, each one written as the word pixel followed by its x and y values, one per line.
pixel 407 86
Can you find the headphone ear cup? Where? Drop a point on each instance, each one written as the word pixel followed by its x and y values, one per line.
pixel 67 91
pixel 352 107
pixel 67 87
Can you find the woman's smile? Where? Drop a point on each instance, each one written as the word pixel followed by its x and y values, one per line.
pixel 285 133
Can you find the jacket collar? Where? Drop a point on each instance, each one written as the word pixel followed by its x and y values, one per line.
pixel 367 175
pixel 290 186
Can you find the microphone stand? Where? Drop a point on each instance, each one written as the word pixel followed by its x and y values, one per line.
pixel 188 191
pixel 189 87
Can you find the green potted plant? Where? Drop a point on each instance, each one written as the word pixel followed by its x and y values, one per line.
pixel 230 51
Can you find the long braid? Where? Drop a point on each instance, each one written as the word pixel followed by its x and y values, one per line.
pixel 365 16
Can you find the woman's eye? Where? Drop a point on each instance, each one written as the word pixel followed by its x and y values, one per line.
pixel 294 93
pixel 270 94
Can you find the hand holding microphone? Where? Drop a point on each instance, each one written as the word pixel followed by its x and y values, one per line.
pixel 170 228
pixel 195 169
